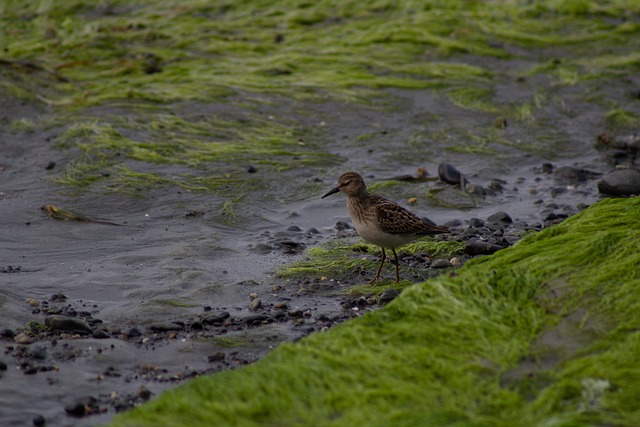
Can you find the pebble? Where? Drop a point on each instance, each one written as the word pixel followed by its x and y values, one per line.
pixel 39 421
pixel 500 217
pixel 256 320
pixel 481 248
pixel 64 323
pixel 255 304
pixel 37 352
pixel 295 312
pixel 449 174
pixel 440 263
pixel 82 406
pixel 7 333
pixel 217 357
pixel 388 295
pixel 3 366
pixel 164 327
pixel 621 183
pixel 215 318
pixel 476 223
pixel 571 175
pixel 100 333
pixel 132 332
pixel 23 338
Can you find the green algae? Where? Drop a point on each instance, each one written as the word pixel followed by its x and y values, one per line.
pixel 149 57
pixel 339 260
pixel 441 353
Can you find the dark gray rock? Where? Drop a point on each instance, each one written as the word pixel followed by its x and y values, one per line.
pixel 256 320
pixel 621 183
pixel 132 332
pixel 500 217
pixel 37 352
pixel 164 327
pixel 3 366
pixel 255 304
pixel 388 295
pixel 341 225
pixel 7 333
pixel 69 324
pixel 481 248
pixel 100 334
pixel 440 263
pixel 82 406
pixel 449 174
pixel 476 223
pixel 215 318
pixel 39 421
pixel 571 175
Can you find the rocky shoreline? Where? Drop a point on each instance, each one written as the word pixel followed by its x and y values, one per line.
pixel 59 324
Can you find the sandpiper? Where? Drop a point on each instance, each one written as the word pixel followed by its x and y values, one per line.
pixel 381 221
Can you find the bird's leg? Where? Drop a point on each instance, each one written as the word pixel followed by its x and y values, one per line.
pixel 377 276
pixel 397 265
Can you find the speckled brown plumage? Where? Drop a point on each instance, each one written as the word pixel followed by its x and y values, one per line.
pixel 381 221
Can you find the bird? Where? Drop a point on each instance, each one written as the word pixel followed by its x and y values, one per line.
pixel 380 221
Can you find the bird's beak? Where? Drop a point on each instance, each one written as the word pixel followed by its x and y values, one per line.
pixel 334 191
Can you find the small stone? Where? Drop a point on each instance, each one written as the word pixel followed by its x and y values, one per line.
pixel 7 333
pixel 388 295
pixel 341 226
pixel 3 366
pixel 412 200
pixel 253 296
pixel 251 169
pixel 65 323
pixel 500 122
pixel 295 312
pixel 478 190
pixel 255 304
pixel 449 174
pixel 23 338
pixel 216 357
pixel 547 168
pixel 132 332
pixel 500 217
pixel 455 261
pixel 196 326
pixel 283 305
pixel 476 223
pixel 256 320
pixel 440 263
pixel 100 334
pixel 39 421
pixel 82 406
pixel 215 318
pixel 481 248
pixel 37 352
pixel 50 165
pixel 164 327
pixel 58 297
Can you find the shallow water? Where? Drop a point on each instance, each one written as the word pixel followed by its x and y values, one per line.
pixel 163 265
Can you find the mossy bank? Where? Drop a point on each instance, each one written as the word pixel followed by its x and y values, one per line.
pixel 544 333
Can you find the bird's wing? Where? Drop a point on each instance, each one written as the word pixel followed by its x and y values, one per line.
pixel 395 219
